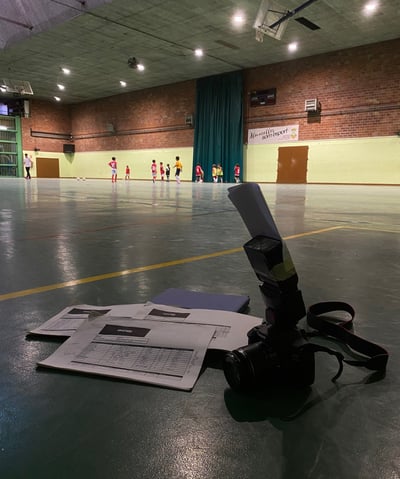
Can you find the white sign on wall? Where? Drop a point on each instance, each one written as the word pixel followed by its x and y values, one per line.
pixel 273 134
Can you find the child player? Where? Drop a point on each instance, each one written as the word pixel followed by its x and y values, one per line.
pixel 214 173
pixel 199 173
pixel 236 173
pixel 154 170
pixel 113 166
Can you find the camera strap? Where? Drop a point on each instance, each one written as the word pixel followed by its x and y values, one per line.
pixel 342 330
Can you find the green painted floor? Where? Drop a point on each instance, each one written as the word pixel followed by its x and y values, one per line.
pixel 61 239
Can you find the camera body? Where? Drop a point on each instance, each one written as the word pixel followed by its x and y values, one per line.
pixel 276 353
pixel 273 356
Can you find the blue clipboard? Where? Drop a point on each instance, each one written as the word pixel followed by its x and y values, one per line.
pixel 184 298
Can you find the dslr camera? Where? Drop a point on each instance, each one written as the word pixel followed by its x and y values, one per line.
pixel 277 352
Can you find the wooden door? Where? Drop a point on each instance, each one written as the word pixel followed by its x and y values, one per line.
pixel 292 164
pixel 47 168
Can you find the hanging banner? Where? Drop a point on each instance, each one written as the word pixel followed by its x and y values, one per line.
pixel 273 134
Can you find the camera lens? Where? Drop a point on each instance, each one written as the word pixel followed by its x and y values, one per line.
pixel 250 366
pixel 233 370
pixel 237 369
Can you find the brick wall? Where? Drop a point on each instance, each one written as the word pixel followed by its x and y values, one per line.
pixel 46 119
pixel 358 89
pixel 151 118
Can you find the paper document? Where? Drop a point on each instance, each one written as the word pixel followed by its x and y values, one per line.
pixel 154 352
pixel 230 329
pixel 68 320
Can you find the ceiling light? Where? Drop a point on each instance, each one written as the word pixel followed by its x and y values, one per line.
pixel 3 89
pixel 66 71
pixel 133 63
pixel 198 52
pixel 292 47
pixel 61 87
pixel 122 83
pixel 238 18
pixel 371 7
pixel 57 98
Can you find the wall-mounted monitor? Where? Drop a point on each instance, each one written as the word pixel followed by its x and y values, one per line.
pixel 263 97
pixel 3 109
pixel 16 107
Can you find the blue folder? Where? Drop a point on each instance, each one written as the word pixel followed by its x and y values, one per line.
pixel 184 298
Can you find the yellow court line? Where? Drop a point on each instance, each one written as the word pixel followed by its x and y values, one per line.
pixel 141 269
pixel 315 232
pixel 376 230
pixel 115 274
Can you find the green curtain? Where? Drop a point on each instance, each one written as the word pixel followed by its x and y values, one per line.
pixel 218 135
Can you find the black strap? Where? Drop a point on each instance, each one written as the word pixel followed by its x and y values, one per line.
pixel 341 329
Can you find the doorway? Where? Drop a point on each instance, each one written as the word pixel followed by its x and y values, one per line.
pixel 47 168
pixel 292 164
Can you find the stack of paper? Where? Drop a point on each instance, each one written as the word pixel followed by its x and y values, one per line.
pixel 152 343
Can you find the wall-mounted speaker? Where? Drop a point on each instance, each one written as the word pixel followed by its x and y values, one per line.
pixel 189 120
pixel 312 105
pixel 27 111
pixel 110 128
pixel 69 148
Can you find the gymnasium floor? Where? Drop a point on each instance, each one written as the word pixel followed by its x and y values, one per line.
pixel 68 242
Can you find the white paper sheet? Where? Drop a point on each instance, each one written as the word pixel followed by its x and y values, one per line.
pixel 230 328
pixel 155 352
pixel 68 320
